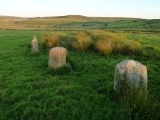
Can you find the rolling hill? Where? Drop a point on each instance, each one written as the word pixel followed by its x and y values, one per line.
pixel 78 22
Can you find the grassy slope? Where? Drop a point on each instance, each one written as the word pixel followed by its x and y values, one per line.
pixel 29 90
pixel 140 25
pixel 50 23
pixel 77 22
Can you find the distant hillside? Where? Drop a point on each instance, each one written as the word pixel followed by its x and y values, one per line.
pixel 78 22
pixel 72 16
pixel 90 18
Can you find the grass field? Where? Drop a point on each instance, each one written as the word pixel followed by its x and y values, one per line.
pixel 81 90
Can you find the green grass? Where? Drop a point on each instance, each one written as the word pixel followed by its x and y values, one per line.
pixel 126 25
pixel 82 89
pixel 81 25
pixel 136 25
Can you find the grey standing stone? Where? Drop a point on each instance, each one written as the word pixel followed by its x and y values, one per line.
pixel 57 57
pixel 130 73
pixel 34 45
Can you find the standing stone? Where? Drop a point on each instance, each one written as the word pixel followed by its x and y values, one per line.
pixel 132 74
pixel 57 57
pixel 34 45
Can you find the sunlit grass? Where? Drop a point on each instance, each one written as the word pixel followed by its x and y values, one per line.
pixel 82 42
pixel 105 43
pixel 50 40
pixel 104 47
pixel 82 89
pixel 140 105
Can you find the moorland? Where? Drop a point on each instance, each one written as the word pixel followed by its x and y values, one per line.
pixel 83 88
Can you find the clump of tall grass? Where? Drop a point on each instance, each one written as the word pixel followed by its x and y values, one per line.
pixel 96 34
pixel 49 40
pixel 65 40
pixel 57 39
pixel 136 104
pixel 82 42
pixel 139 105
pixel 105 35
pixel 111 43
pixel 108 43
pixel 105 43
pixel 131 47
pixel 104 47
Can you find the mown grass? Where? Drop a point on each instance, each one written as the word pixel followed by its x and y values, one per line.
pixel 82 89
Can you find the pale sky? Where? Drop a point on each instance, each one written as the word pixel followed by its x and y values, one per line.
pixel 147 9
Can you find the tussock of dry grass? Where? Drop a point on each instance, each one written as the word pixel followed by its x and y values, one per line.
pixel 104 47
pixel 49 40
pixel 104 42
pixel 131 47
pixel 83 42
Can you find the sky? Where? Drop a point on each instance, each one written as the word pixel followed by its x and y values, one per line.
pixel 147 9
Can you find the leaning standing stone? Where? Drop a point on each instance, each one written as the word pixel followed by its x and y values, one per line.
pixel 130 74
pixel 57 57
pixel 34 45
